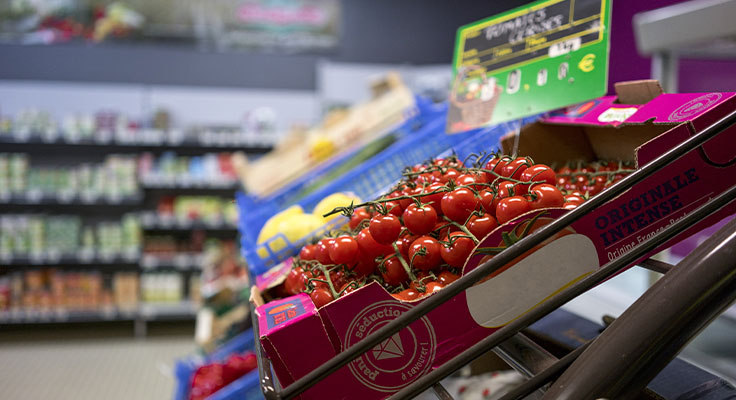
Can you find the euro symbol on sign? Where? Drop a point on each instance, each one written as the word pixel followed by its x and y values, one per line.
pixel 586 64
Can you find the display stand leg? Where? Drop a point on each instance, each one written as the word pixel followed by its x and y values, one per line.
pixel 665 70
pixel 140 328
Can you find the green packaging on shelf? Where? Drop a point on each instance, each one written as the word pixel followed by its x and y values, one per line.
pixel 18 168
pixel 638 125
pixel 21 240
pixel 36 236
pixel 4 174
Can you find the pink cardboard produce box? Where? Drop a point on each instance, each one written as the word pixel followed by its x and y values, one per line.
pixel 637 125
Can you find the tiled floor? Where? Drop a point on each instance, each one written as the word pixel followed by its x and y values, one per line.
pixel 79 365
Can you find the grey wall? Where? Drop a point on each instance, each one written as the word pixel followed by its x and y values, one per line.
pixel 372 31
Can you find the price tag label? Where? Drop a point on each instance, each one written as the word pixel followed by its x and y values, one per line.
pixel 536 58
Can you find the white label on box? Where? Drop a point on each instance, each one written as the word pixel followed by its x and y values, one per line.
pixel 617 114
pixel 504 298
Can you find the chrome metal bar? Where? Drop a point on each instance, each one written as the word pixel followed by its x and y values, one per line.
pixel 525 355
pixel 560 299
pixel 650 333
pixel 441 392
pixel 505 257
pixel 539 380
pixel 656 265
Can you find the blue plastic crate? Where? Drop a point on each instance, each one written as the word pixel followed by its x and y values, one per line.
pixel 368 181
pixel 246 387
pixel 487 140
pixel 257 210
pixel 263 207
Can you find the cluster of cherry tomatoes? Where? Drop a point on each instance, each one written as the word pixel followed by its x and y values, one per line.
pixel 588 179
pixel 416 239
pixel 209 378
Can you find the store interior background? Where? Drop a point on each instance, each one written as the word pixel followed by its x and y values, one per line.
pixel 415 37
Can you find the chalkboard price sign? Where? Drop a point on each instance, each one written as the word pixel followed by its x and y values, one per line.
pixel 539 57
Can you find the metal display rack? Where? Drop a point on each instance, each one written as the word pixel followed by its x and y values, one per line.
pixel 35 144
pixel 695 29
pixel 617 364
pixel 184 263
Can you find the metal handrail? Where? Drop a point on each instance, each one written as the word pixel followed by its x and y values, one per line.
pixel 656 265
pixel 509 255
pixel 540 379
pixel 649 334
pixel 525 355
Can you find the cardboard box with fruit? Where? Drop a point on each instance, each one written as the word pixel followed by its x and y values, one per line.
pixel 448 216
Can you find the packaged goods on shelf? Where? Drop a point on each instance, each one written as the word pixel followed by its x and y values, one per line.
pixel 651 124
pixel 194 252
pixel 169 169
pixel 224 290
pixel 112 127
pixel 186 211
pixel 112 180
pixel 41 238
pixel 221 259
pixel 195 292
pixel 126 290
pixel 164 245
pixel 162 287
pixel 53 290
pixel 31 122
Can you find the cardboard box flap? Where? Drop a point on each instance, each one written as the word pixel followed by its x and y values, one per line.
pixel 637 92
pixel 551 144
pixel 700 110
pixel 678 107
pixel 555 144
pixel 621 143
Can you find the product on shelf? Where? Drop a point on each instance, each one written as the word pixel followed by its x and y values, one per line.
pixel 113 127
pixel 186 210
pixel 47 237
pixel 32 122
pixel 113 180
pixel 48 290
pixel 169 169
pixel 162 287
pixel 169 245
pixel 222 260
pixel 195 289
pixel 125 290
pixel 197 251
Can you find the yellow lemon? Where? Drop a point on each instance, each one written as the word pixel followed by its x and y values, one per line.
pixel 271 227
pixel 322 148
pixel 294 228
pixel 333 201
